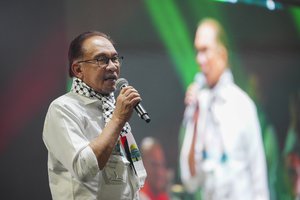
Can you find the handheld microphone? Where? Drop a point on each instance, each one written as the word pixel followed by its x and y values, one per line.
pixel 142 113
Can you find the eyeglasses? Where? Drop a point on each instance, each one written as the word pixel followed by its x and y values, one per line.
pixel 102 61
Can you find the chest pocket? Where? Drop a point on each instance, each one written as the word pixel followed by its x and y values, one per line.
pixel 115 172
pixel 116 182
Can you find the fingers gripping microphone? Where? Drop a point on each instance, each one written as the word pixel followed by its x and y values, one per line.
pixel 121 83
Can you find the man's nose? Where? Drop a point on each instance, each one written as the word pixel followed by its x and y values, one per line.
pixel 111 66
pixel 201 58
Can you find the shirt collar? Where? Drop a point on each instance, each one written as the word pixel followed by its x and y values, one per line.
pixel 225 79
pixel 86 100
pixel 85 92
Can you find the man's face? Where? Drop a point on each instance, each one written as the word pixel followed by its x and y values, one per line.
pixel 156 169
pixel 293 166
pixel 101 79
pixel 209 54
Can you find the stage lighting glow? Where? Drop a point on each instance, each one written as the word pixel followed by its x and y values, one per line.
pixel 270 4
pixel 228 1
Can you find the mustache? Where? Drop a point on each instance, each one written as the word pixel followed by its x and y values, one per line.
pixel 111 76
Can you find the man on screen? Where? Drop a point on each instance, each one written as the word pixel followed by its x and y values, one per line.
pixel 222 151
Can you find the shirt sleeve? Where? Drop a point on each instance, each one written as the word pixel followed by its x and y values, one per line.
pixel 256 156
pixel 64 138
pixel 86 164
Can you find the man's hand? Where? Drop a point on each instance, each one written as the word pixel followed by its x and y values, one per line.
pixel 127 99
pixel 191 94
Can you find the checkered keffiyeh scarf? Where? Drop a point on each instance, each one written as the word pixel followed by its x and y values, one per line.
pixel 107 101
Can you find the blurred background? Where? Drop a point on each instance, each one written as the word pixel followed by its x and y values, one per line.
pixel 156 39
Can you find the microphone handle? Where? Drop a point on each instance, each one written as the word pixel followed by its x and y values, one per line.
pixel 142 112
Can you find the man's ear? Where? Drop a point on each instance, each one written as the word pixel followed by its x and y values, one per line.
pixel 223 52
pixel 77 70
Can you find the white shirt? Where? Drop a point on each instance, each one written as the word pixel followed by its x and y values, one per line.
pixel 71 123
pixel 227 124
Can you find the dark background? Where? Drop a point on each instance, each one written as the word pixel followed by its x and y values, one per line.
pixel 34 38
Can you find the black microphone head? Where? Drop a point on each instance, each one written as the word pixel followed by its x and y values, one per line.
pixel 121 82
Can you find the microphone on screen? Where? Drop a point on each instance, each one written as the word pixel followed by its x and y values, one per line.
pixel 142 113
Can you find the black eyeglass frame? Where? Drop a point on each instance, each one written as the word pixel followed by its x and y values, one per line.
pixel 117 60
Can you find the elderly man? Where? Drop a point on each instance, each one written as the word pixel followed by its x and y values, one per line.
pixel 86 130
pixel 222 150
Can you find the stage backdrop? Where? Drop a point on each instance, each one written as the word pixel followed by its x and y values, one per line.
pixel 156 40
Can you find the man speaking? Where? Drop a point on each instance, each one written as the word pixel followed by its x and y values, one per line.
pixel 86 132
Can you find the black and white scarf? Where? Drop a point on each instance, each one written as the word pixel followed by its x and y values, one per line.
pixel 107 101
